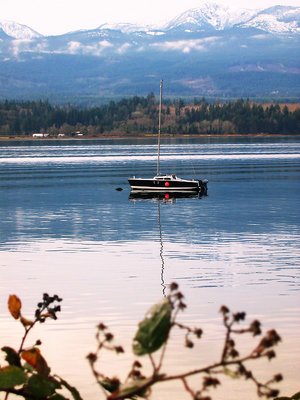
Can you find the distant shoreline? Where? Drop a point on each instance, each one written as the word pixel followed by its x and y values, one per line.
pixel 142 137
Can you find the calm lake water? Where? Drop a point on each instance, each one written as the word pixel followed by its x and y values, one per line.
pixel 65 229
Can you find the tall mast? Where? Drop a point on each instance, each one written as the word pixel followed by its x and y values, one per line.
pixel 159 126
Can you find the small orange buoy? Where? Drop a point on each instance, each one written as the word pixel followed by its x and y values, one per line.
pixel 167 184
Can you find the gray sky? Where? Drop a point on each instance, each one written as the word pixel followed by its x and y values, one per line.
pixel 61 16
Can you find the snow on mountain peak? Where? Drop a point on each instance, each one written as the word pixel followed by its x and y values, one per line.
pixel 125 27
pixel 211 14
pixel 18 31
pixel 276 19
pixel 277 10
pixel 208 16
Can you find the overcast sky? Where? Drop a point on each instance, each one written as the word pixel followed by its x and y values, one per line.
pixel 61 16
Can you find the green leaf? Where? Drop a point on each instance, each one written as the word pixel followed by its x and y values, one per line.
pixel 230 373
pixel 57 396
pixel 41 387
pixel 154 330
pixel 71 389
pixel 110 385
pixel 131 389
pixel 12 357
pixel 11 376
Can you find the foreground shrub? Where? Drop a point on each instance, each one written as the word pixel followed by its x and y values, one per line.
pixel 28 375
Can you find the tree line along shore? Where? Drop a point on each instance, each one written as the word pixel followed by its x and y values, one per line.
pixel 138 116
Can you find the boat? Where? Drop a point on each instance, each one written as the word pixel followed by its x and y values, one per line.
pixel 166 183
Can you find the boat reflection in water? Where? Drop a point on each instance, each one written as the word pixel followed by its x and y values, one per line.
pixel 164 196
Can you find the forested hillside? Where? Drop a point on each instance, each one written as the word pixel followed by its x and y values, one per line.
pixel 139 115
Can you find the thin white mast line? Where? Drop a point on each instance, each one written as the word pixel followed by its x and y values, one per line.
pixel 159 126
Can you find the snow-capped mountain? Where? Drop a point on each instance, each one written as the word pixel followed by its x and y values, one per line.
pixel 208 16
pixel 277 19
pixel 211 15
pixel 211 50
pixel 18 31
pixel 125 27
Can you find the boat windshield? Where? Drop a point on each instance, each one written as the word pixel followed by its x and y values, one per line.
pixel 165 177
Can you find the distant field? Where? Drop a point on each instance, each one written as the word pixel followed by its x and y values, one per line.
pixel 291 106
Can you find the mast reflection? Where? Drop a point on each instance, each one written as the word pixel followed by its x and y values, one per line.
pixel 161 251
pixel 161 198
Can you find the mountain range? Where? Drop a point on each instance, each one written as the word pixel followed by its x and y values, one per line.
pixel 211 51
